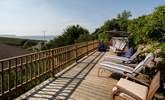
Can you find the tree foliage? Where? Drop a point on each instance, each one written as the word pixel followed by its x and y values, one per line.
pixel 83 38
pixel 72 34
pixel 105 36
pixel 143 29
pixel 120 23
pixel 149 27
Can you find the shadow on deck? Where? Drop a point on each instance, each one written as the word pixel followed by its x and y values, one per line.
pixel 77 82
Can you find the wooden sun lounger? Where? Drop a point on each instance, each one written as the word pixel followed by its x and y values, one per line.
pixel 122 69
pixel 122 59
pixel 135 90
pixel 119 46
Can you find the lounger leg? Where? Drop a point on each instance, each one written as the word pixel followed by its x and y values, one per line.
pixel 114 94
pixel 98 72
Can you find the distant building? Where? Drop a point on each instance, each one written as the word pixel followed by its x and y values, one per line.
pixel 118 33
pixel 118 37
pixel 38 47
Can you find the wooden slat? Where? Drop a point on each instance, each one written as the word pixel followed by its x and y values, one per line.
pixel 16 75
pixel 2 79
pixel 9 76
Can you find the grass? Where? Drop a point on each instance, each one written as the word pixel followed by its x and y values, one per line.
pixel 16 41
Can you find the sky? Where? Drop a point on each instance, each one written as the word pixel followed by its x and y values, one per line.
pixel 32 17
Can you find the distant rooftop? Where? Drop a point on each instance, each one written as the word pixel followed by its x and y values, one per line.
pixel 118 33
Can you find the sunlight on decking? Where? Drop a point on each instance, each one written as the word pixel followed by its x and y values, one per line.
pixel 78 82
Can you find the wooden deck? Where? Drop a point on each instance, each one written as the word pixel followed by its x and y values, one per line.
pixel 79 81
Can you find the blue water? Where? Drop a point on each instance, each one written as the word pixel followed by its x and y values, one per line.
pixel 37 37
pixel 47 38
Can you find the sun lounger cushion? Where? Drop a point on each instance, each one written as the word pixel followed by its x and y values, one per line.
pixel 129 53
pixel 116 67
pixel 121 58
pixel 122 69
pixel 113 48
pixel 116 58
pixel 134 88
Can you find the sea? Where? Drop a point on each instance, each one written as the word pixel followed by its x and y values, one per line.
pixel 37 37
pixel 47 38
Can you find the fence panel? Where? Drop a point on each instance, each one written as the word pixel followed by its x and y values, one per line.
pixel 18 74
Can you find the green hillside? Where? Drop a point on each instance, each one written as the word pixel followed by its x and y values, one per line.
pixel 17 41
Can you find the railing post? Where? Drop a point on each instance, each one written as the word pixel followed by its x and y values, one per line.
pixel 75 52
pixel 16 75
pixel 51 63
pixel 87 47
pixel 93 45
pixel 9 76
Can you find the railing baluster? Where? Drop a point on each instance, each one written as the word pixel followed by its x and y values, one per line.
pixel 2 79
pixel 40 63
pixel 26 67
pixel 35 65
pixel 87 47
pixel 9 76
pixel 44 62
pixel 31 60
pixel 76 52
pixel 38 59
pixel 21 71
pixel 93 46
pixel 16 74
pixel 51 63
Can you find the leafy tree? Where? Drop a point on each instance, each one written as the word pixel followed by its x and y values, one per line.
pixel 156 23
pixel 69 36
pixel 136 30
pixel 142 29
pixel 124 15
pixel 95 33
pixel 105 36
pixel 149 27
pixel 84 37
pixel 119 24
pixel 72 33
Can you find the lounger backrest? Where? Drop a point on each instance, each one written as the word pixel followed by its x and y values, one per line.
pixel 122 46
pixel 134 55
pixel 117 44
pixel 141 65
pixel 154 86
pixel 148 58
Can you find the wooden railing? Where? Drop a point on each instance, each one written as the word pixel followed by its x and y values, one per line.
pixel 19 74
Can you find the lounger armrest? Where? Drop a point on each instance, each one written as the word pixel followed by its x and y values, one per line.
pixel 115 94
pixel 123 90
pixel 135 79
pixel 127 73
pixel 127 62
